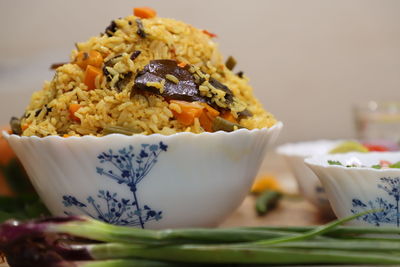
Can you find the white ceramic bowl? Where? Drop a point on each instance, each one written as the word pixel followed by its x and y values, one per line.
pixel 154 181
pixel 357 189
pixel 309 185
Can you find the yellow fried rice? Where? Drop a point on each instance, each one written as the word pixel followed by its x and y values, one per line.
pixel 48 112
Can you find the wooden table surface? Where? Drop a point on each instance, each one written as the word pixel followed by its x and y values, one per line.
pixel 289 212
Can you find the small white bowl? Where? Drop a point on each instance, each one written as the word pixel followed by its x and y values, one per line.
pixel 309 185
pixel 352 190
pixel 154 181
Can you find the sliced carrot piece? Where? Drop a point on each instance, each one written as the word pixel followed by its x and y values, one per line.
pixel 206 121
pixel 72 109
pixel 90 76
pixel 212 111
pixel 144 12
pixel 182 64
pixel 212 35
pixel 228 116
pixel 189 111
pixel 93 58
pixel 24 126
pixel 66 135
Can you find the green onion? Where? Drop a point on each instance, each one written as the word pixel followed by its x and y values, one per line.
pixel 313 233
pixel 96 230
pixel 124 263
pixel 337 231
pixel 220 124
pixel 224 254
pixel 81 241
pixel 120 130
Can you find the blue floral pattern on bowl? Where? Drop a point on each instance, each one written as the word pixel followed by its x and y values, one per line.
pixel 388 209
pixel 126 168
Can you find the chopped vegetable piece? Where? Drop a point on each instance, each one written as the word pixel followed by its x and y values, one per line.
pixel 212 35
pixel 227 115
pixel 240 74
pixel 212 111
pixel 395 165
pixel 245 113
pixel 72 109
pixel 230 63
pixel 348 146
pixel 266 182
pixel 156 71
pixel 93 58
pixel 334 162
pixel 57 65
pixel 377 166
pixel 144 12
pixel 220 124
pixel 384 163
pixel 135 54
pixel 189 111
pixel 111 29
pixel 66 135
pixel 206 121
pixel 140 30
pixel 377 148
pixel 90 76
pixel 15 124
pixel 267 201
pixel 207 117
pixel 24 127
pixel 182 64
pixel 120 130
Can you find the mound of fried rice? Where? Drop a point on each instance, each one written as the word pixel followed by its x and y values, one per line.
pixel 110 104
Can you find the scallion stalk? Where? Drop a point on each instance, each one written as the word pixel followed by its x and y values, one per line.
pixel 81 241
pixel 228 254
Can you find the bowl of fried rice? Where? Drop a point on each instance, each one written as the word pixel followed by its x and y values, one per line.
pixel 146 126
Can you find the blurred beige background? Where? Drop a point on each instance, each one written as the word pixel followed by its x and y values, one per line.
pixel 308 60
